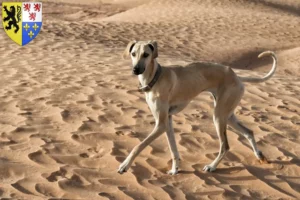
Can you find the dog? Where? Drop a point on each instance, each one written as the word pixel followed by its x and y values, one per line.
pixel 169 90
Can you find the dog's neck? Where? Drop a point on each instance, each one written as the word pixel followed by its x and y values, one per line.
pixel 149 73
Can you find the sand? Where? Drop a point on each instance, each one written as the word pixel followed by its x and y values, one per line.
pixel 70 114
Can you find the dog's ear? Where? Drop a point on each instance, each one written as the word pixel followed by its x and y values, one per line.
pixel 153 47
pixel 129 48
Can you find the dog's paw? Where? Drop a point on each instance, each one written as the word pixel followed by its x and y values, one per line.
pixel 173 172
pixel 121 170
pixel 123 167
pixel 208 168
pixel 261 158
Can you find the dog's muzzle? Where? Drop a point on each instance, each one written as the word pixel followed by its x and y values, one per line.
pixel 137 71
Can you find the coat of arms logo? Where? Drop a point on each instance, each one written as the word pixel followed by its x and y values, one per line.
pixel 22 21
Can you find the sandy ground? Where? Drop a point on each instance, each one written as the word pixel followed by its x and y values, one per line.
pixel 69 112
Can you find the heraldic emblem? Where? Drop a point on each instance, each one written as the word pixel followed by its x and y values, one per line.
pixel 22 21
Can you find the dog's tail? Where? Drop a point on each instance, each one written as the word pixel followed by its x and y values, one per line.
pixel 266 77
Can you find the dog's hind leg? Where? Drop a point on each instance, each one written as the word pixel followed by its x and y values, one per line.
pixel 173 148
pixel 220 123
pixel 247 133
pixel 224 103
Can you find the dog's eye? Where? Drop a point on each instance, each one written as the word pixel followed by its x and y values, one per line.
pixel 133 54
pixel 145 55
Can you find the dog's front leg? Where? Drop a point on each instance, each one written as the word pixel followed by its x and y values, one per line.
pixel 173 148
pixel 160 127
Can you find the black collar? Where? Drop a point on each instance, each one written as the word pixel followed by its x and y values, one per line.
pixel 148 87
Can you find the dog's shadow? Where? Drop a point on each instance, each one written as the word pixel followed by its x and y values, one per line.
pixel 267 173
pixel 224 170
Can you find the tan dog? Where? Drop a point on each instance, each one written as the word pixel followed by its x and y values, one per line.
pixel 168 90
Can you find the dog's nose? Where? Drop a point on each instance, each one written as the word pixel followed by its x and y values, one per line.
pixel 135 70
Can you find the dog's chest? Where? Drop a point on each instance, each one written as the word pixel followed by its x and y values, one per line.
pixel 153 103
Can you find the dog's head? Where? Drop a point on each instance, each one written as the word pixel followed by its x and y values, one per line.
pixel 142 54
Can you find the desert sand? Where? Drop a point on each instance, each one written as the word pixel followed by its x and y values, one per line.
pixel 70 112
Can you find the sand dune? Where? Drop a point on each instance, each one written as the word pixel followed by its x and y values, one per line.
pixel 70 112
